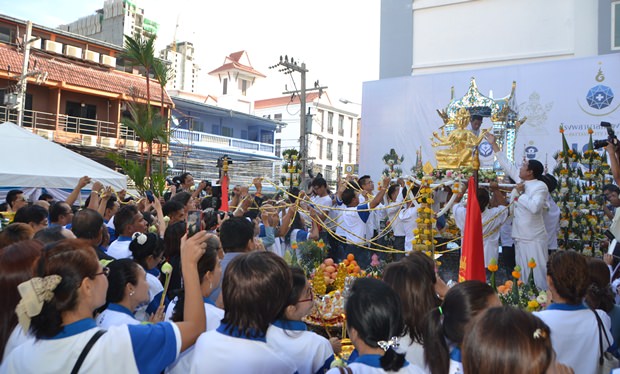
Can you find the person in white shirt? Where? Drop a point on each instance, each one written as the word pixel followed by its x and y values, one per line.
pixel 394 206
pixel 528 226
pixel 127 221
pixel 612 194
pixel 354 222
pixel 373 225
pixel 148 251
pixel 574 327
pixel 254 290
pixel 127 290
pixel 57 307
pixel 311 352
pixel 493 218
pixel 209 273
pixel 375 330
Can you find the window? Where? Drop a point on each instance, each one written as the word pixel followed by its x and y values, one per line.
pixel 225 86
pixel 615 25
pixel 266 137
pixel 278 117
pixel 329 149
pixel 215 129
pixel 244 86
pixel 322 115
pixel 330 122
pixel 278 147
pixel 328 173
pixel 227 131
pixel 321 148
pixel 6 35
pixel 341 125
pixel 350 152
pixel 340 151
pixel 351 133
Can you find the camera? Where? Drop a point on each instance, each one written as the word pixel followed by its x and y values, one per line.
pixel 611 137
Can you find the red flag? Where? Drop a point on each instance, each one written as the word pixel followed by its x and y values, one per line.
pixel 471 266
pixel 224 184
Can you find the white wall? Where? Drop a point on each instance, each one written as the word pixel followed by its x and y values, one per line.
pixel 451 35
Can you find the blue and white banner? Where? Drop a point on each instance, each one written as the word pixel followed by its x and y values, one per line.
pixel 400 113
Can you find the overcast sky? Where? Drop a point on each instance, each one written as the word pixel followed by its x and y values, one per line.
pixel 337 39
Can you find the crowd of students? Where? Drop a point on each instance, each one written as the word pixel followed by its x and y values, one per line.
pixel 87 291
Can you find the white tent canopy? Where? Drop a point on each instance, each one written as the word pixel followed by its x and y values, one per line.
pixel 32 162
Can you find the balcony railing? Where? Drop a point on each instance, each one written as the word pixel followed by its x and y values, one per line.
pixel 78 130
pixel 203 139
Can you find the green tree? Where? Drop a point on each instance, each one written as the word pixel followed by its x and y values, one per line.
pixel 163 74
pixel 141 52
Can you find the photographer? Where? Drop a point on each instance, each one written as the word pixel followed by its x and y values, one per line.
pixel 613 150
pixel 611 192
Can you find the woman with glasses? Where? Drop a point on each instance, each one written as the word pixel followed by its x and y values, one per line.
pixel 57 306
pixel 127 290
pixel 289 335
pixel 148 251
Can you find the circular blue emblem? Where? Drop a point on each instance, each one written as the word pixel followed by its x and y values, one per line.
pixel 599 97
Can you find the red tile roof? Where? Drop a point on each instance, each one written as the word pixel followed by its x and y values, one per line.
pixel 231 62
pixel 284 100
pixel 74 75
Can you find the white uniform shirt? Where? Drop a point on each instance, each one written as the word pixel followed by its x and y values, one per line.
pixel 492 220
pixel 414 351
pixel 120 248
pixel 116 315
pixel 218 351
pixel 155 288
pixel 574 335
pixel 353 224
pixel 122 349
pixel 16 339
pixel 407 217
pixel 308 350
pixel 214 315
pixel 505 232
pixel 392 210
pixel 370 364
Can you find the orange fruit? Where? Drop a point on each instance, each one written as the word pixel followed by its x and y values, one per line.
pixel 350 257
pixel 357 269
pixel 345 262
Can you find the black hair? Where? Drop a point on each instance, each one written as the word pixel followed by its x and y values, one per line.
pixel 299 282
pixel 11 196
pixel 319 182
pixel 209 217
pixel 537 169
pixel 347 196
pixel 483 198
pixel 50 234
pixel 206 263
pixel 362 180
pixel 154 246
pixel 462 303
pixel 59 209
pixel 235 233
pixel 172 238
pixel 124 217
pixel 182 197
pixel 476 117
pixel 148 217
pixel 183 177
pixel 32 213
pixel 171 207
pixel 45 196
pixel 373 309
pixel 551 182
pixel 87 224
pixel 122 271
pixel 611 188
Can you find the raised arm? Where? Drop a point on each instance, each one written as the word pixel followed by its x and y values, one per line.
pixel 377 200
pixel 85 180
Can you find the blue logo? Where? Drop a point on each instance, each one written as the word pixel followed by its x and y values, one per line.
pixel 599 97
pixel 530 152
pixel 485 149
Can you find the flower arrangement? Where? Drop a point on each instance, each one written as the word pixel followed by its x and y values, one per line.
pixel 524 295
pixel 375 270
pixel 392 160
pixel 292 167
pixel 424 234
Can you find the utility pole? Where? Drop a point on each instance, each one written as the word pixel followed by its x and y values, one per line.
pixel 288 67
pixel 23 80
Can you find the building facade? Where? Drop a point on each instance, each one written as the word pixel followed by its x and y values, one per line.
pixel 450 35
pixel 111 23
pixel 332 132
pixel 185 71
pixel 76 95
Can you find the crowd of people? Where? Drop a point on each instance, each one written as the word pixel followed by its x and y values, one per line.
pixel 121 283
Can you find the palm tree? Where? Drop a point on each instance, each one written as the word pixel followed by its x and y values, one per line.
pixel 148 127
pixel 163 74
pixel 141 52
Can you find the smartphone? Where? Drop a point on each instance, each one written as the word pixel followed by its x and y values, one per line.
pixel 150 197
pixel 194 222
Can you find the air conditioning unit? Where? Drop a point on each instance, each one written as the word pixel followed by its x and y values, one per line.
pixel 73 51
pixel 47 134
pixel 132 145
pixel 108 142
pixel 89 140
pixel 36 43
pixel 51 46
pixel 108 60
pixel 91 56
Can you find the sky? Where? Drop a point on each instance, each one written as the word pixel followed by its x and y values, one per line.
pixel 337 39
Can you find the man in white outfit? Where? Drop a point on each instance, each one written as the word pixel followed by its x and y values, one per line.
pixel 528 226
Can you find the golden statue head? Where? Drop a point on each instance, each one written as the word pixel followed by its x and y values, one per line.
pixel 462 118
